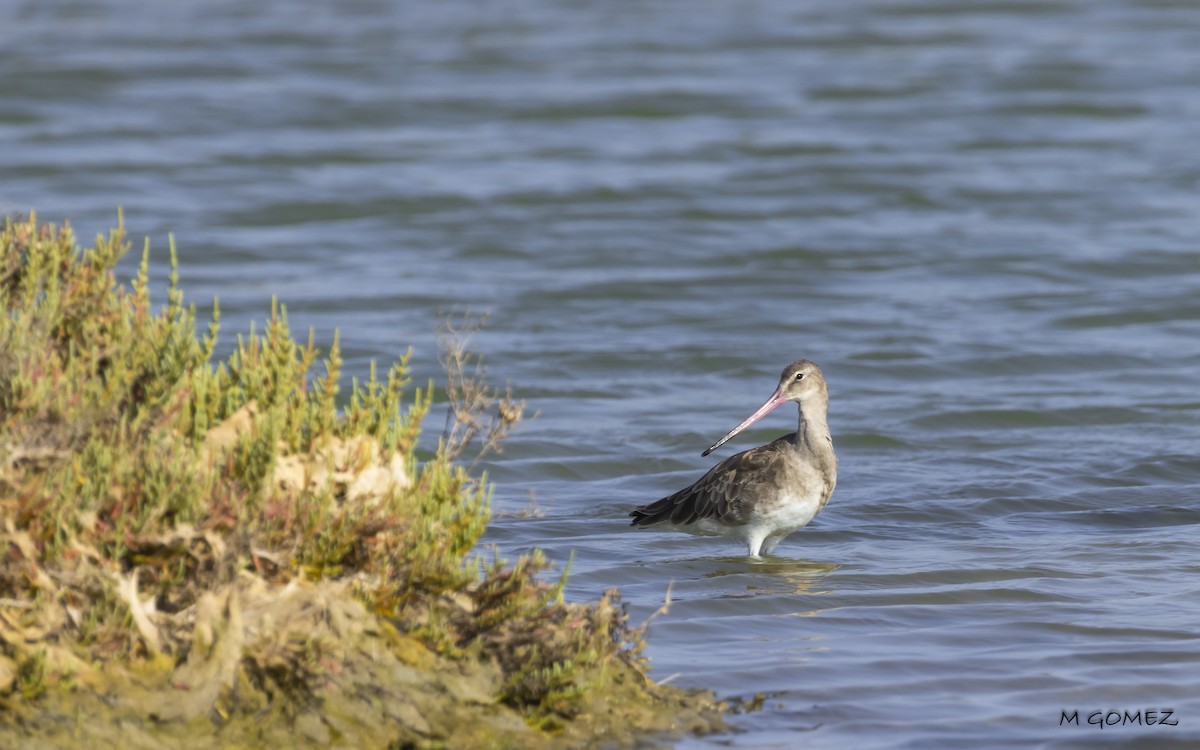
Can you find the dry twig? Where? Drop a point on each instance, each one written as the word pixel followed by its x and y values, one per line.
pixel 478 413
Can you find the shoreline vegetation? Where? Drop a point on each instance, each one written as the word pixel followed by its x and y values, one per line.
pixel 248 553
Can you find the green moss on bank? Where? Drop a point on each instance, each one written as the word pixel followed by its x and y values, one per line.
pixel 239 552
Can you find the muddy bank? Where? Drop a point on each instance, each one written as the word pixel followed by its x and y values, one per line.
pixel 307 666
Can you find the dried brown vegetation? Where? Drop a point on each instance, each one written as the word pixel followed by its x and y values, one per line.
pixel 479 415
pixel 185 542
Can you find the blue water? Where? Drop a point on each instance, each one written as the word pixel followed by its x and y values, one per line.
pixel 980 218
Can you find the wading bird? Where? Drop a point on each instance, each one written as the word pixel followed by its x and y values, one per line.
pixel 761 495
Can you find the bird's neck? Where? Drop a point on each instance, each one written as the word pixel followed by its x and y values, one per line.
pixel 812 433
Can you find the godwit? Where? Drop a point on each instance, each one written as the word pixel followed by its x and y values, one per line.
pixel 761 495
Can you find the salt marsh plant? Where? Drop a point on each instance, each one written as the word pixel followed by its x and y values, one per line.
pixel 224 524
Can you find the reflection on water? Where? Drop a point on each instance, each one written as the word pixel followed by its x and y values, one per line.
pixel 770 575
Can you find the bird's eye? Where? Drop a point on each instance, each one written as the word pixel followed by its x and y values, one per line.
pixel 799 376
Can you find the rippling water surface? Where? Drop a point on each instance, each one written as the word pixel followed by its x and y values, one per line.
pixel 981 218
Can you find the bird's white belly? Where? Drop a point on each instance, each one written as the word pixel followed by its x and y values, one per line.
pixel 785 517
pixel 768 524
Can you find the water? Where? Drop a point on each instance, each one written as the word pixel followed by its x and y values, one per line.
pixel 980 218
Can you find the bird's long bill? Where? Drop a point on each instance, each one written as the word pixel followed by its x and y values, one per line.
pixel 777 398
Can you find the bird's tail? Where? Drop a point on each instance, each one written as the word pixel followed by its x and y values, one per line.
pixel 656 512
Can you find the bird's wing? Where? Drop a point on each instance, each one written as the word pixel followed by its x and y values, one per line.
pixel 720 494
